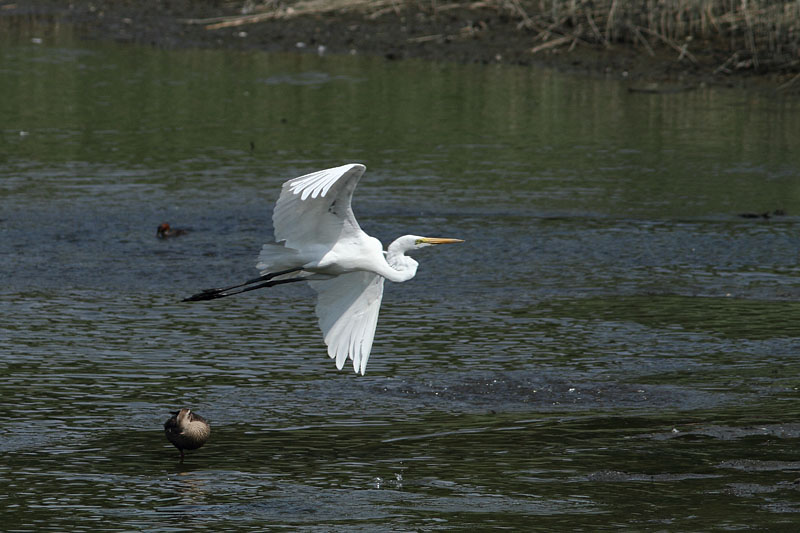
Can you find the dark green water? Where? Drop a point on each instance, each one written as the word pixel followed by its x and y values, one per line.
pixel 612 346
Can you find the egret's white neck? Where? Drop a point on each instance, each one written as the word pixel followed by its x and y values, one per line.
pixel 403 268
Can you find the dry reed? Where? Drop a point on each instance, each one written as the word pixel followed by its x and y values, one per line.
pixel 754 34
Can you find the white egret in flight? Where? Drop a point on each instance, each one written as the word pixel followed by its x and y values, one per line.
pixel 318 240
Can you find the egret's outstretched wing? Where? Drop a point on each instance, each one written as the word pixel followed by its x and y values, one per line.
pixel 315 208
pixel 348 307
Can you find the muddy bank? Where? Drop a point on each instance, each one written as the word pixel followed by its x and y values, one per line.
pixel 466 33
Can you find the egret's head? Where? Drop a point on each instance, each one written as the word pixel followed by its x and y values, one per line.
pixel 410 243
pixel 422 242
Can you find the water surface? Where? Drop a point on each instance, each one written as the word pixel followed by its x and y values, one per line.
pixel 612 346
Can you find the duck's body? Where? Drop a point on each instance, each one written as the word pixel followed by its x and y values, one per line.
pixel 165 231
pixel 187 430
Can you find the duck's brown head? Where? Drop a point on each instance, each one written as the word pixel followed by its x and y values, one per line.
pixel 183 417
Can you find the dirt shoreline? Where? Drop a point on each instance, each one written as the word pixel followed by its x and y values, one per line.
pixel 460 34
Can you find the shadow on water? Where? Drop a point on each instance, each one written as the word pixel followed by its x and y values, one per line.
pixel 612 346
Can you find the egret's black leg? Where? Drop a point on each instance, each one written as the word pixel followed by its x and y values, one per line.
pixel 213 294
pixel 265 277
pixel 210 294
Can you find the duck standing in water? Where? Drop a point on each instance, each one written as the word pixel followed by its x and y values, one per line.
pixel 164 231
pixel 186 430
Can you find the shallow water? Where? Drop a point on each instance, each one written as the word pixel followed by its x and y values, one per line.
pixel 611 347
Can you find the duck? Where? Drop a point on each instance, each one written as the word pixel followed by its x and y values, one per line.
pixel 187 430
pixel 164 231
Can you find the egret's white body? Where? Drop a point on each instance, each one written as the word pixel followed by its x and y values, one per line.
pixel 317 239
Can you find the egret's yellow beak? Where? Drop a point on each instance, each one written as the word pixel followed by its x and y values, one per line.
pixel 438 240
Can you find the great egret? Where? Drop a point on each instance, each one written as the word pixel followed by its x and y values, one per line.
pixel 187 430
pixel 317 239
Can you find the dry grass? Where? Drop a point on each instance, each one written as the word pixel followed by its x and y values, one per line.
pixel 755 34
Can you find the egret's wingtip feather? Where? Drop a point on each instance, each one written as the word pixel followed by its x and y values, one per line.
pixel 340 361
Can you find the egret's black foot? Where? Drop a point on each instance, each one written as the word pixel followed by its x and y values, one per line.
pixel 208 294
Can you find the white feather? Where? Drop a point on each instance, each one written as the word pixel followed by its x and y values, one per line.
pixel 277 257
pixel 315 209
pixel 347 308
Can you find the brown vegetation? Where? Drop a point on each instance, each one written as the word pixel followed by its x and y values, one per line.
pixel 758 35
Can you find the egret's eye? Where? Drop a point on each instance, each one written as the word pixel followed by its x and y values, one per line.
pixel 419 241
